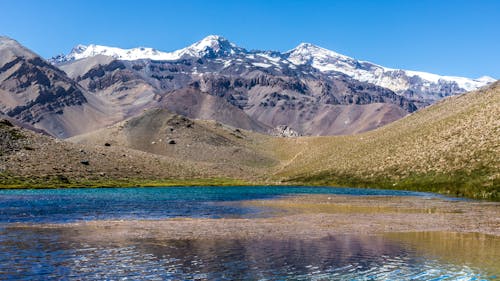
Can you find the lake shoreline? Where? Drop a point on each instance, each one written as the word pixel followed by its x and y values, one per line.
pixel 213 182
pixel 304 217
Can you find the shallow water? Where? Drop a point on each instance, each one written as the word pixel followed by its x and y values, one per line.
pixel 34 253
pixel 67 205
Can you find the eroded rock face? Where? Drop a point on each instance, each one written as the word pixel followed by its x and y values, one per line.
pixel 37 93
pixel 34 87
pixel 245 94
pixel 255 90
pixel 310 89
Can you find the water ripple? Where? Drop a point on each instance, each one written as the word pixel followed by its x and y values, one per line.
pixel 53 255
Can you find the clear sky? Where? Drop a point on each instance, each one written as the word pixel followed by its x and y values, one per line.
pixel 452 37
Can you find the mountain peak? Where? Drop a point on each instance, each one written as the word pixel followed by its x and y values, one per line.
pixel 210 46
pixel 7 42
pixel 310 54
pixel 10 47
pixel 305 45
pixel 213 38
pixel 324 60
pixel 5 39
pixel 78 49
pixel 308 49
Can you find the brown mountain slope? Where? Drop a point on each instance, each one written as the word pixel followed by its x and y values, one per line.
pixel 332 119
pixel 29 159
pixel 194 103
pixel 111 80
pixel 37 93
pixel 242 94
pixel 160 132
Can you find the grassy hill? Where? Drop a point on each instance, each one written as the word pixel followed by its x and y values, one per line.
pixel 452 147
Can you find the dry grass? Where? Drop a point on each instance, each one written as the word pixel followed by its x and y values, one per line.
pixel 455 142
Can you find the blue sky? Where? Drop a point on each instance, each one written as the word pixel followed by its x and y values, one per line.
pixel 446 37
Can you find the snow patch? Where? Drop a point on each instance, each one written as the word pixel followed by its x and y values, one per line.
pixel 260 64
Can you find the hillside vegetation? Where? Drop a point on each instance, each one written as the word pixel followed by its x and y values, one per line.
pixel 452 147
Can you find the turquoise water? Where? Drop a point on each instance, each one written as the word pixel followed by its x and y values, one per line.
pixel 68 205
pixel 33 253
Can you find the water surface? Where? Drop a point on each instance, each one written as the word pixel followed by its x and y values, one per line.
pixel 68 205
pixel 49 254
pixel 37 253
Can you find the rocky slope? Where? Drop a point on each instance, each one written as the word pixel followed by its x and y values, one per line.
pixel 310 90
pixel 161 132
pixel 257 90
pixel 413 84
pixel 417 85
pixel 35 92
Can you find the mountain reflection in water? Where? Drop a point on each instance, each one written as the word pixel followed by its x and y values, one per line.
pixel 41 253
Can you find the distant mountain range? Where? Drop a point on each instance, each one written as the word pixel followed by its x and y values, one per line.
pixel 411 83
pixel 307 90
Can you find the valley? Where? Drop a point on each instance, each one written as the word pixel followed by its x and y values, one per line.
pixel 212 113
pixel 249 140
pixel 451 148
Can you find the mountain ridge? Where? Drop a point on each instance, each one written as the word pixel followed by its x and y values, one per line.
pixel 428 86
pixel 212 79
pixel 274 93
pixel 208 45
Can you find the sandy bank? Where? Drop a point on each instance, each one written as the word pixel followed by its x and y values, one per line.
pixel 311 216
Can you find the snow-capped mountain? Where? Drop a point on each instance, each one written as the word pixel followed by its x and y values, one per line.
pixel 421 86
pixel 83 51
pixel 209 46
pixel 407 82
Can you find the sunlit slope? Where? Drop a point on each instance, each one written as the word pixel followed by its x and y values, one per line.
pixel 450 147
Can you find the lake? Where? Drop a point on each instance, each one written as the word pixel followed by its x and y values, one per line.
pixel 34 253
